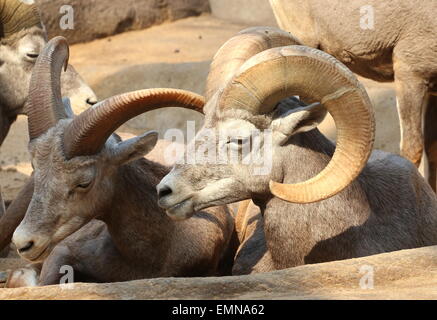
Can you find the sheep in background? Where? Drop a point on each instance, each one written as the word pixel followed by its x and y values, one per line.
pixel 22 37
pixel 400 45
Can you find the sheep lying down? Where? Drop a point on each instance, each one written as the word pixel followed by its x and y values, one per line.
pixel 80 176
pixel 318 202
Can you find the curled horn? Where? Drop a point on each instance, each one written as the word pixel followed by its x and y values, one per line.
pixel 232 55
pixel 15 15
pixel 44 106
pixel 278 73
pixel 87 133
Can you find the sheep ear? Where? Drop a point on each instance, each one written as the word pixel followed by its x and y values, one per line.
pixel 134 148
pixel 300 119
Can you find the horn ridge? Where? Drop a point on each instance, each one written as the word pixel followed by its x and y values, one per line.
pixel 237 50
pixel 44 105
pixel 16 15
pixel 88 132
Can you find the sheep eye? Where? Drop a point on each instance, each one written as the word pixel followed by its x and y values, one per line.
pixel 32 55
pixel 83 185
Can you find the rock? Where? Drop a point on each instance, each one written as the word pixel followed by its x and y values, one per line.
pixel 188 76
pixel 91 19
pixel 147 59
pixel 406 274
pixel 251 12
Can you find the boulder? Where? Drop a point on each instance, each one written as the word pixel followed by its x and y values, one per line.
pixel 406 274
pixel 86 20
pixel 251 12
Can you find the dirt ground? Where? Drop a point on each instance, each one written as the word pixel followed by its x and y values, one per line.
pixel 173 55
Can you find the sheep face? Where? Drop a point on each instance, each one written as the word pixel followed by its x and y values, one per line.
pixel 18 55
pixel 69 193
pixel 258 145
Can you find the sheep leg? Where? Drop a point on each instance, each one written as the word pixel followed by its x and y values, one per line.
pixel 24 277
pixel 52 271
pixel 431 140
pixel 253 255
pixel 412 95
pixel 92 256
pixel 14 214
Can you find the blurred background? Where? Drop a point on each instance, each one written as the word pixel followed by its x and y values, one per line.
pixel 125 45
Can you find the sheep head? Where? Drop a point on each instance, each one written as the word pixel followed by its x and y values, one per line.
pixel 253 101
pixel 75 159
pixel 22 37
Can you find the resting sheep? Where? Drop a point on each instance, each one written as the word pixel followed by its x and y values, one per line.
pixel 22 37
pixel 82 171
pixel 319 202
pixel 400 44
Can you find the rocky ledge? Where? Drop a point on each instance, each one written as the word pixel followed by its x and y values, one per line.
pixel 406 274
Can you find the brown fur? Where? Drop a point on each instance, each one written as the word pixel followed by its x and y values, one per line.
pixel 134 238
pixel 388 207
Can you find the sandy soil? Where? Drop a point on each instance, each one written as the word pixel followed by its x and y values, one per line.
pixel 171 55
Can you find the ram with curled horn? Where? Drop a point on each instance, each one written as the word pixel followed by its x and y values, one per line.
pixel 22 37
pixel 320 202
pixel 83 171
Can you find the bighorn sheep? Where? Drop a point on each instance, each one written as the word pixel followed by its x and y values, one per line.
pixel 399 45
pixel 22 36
pixel 338 204
pixel 82 171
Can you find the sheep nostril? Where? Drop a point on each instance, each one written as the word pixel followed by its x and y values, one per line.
pixel 164 191
pixel 27 247
pixel 91 102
